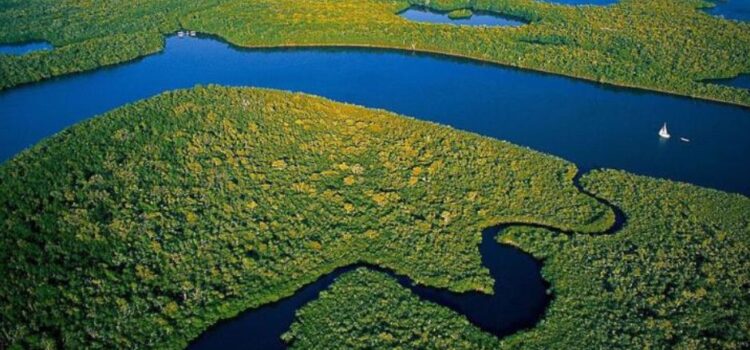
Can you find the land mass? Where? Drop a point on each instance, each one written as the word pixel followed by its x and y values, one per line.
pixel 662 45
pixel 145 226
pixel 674 277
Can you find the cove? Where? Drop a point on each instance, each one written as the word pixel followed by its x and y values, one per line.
pixel 519 300
pixel 478 18
pixel 589 124
pixel 24 48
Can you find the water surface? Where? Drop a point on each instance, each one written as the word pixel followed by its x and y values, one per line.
pixel 590 124
pixel 741 81
pixel 731 9
pixel 479 18
pixel 24 48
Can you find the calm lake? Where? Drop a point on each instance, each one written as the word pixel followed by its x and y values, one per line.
pixel 479 18
pixel 589 124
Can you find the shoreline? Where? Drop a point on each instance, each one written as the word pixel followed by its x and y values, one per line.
pixel 436 53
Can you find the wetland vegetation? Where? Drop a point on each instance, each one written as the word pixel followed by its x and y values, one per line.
pixel 195 205
pixel 148 225
pixel 192 206
pixel 664 45
pixel 675 276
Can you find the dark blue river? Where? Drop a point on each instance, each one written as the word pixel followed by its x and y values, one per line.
pixel 589 124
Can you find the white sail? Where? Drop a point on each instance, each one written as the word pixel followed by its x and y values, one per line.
pixel 663 132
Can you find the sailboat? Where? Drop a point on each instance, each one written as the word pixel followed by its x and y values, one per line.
pixel 663 133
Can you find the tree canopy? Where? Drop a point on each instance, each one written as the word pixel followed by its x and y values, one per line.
pixel 144 226
pixel 675 277
pixel 664 45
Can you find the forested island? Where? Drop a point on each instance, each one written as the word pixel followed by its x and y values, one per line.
pixel 143 227
pixel 663 45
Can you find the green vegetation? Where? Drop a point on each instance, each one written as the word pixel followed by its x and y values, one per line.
pixel 664 45
pixel 676 277
pixel 369 310
pixel 142 227
pixel 459 14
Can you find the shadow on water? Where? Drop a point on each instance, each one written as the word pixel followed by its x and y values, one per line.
pixel 741 81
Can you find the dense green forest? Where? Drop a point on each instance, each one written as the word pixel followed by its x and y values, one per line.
pixel 676 277
pixel 142 227
pixel 664 45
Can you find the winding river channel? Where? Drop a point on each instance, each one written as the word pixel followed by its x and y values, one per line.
pixel 589 124
pixel 519 301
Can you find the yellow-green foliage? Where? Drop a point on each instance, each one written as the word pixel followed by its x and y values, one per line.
pixel 458 14
pixel 665 45
pixel 676 277
pixel 144 226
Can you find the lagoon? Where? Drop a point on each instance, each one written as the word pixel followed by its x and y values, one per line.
pixel 478 18
pixel 24 48
pixel 590 124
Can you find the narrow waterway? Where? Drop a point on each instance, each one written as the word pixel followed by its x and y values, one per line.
pixel 519 301
pixel 24 48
